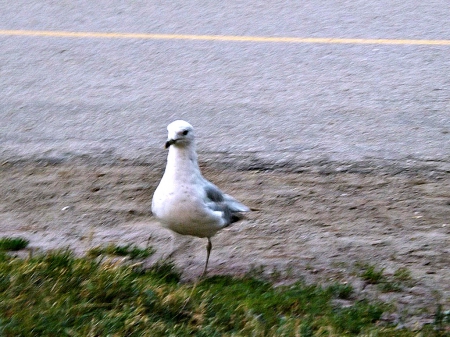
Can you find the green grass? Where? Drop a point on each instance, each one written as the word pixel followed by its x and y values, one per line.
pixel 133 251
pixel 403 277
pixel 12 244
pixel 400 280
pixel 371 274
pixel 57 294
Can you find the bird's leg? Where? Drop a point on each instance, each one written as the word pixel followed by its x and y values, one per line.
pixel 208 251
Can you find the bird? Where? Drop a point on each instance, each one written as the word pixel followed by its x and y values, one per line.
pixel 184 201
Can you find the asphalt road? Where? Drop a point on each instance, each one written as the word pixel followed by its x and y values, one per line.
pixel 277 101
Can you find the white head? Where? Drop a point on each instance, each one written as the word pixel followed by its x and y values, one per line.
pixel 180 133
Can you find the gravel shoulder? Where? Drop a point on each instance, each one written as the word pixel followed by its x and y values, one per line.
pixel 319 222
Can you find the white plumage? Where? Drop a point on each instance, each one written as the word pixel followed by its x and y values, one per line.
pixel 184 200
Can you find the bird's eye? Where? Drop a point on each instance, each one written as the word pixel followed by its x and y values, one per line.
pixel 185 132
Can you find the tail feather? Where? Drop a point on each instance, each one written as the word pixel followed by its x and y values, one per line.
pixel 235 205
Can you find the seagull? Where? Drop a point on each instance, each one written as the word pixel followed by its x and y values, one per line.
pixel 184 201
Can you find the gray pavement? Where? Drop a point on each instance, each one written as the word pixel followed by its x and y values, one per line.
pixel 276 102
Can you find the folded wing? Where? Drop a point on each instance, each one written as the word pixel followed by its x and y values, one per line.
pixel 216 200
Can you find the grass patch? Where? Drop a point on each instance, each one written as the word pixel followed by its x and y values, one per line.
pixel 57 294
pixel 397 282
pixel 400 279
pixel 371 274
pixel 403 277
pixel 341 291
pixel 12 244
pixel 133 251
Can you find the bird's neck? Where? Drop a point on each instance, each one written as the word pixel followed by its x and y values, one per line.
pixel 182 161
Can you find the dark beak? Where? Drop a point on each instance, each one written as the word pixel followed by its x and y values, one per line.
pixel 169 142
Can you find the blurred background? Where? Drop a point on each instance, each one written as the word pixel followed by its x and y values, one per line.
pixel 271 101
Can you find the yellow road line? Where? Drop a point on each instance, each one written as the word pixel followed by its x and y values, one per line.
pixel 99 35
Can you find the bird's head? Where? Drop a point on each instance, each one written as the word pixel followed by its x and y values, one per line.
pixel 180 133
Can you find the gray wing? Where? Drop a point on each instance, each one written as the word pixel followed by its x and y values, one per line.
pixel 219 201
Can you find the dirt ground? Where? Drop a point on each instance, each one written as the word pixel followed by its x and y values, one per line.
pixel 317 224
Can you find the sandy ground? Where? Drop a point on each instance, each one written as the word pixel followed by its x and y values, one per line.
pixel 317 223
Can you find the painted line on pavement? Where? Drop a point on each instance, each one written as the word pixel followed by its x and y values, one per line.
pixel 231 38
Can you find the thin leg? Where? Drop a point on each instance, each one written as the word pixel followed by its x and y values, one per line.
pixel 208 251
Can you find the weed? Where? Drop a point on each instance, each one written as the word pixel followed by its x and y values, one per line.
pixel 134 252
pixel 403 276
pixel 400 279
pixel 389 286
pixel 12 244
pixel 371 274
pixel 341 291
